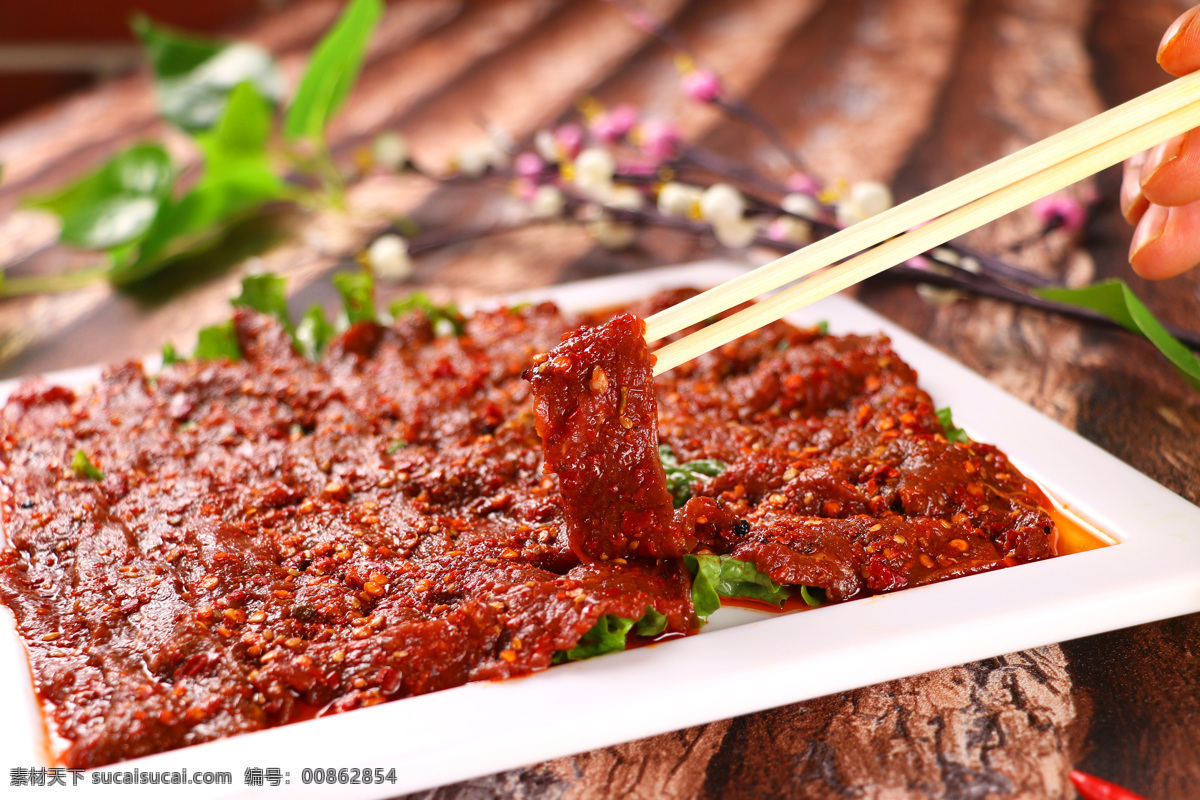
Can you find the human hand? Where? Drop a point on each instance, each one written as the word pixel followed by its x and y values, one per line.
pixel 1160 191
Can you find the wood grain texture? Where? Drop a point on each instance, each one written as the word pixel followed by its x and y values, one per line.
pixel 913 92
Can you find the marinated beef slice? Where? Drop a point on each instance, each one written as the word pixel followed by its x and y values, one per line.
pixel 598 421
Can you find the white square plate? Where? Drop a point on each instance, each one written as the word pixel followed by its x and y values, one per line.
pixel 743 661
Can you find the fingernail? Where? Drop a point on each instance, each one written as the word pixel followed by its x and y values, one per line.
pixel 1132 201
pixel 1149 230
pixel 1174 33
pixel 1161 154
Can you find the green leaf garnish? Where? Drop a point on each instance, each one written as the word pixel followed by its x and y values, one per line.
pixel 954 434
pixel 331 72
pixel 652 624
pixel 358 295
pixel 170 355
pixel 823 327
pixel 237 181
pixel 84 468
pixel 117 203
pixel 445 319
pixel 609 633
pixel 396 446
pixel 267 294
pixel 726 576
pixel 704 590
pixel 217 341
pixel 813 596
pixel 606 636
pixel 1115 300
pixel 314 332
pixel 680 477
pixel 195 75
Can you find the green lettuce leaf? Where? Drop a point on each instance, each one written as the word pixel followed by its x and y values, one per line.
pixel 170 355
pixel 267 294
pixel 813 596
pixel 331 72
pixel 217 341
pixel 314 332
pixel 680 477
pixel 725 576
pixel 444 318
pixel 117 203
pixel 358 295
pixel 651 625
pixel 608 635
pixel 195 76
pixel 1115 300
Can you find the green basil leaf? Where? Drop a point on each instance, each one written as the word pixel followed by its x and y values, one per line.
pixel 267 294
pixel 195 76
pixel 444 318
pixel 117 203
pixel 314 332
pixel 1115 300
pixel 606 636
pixel 725 576
pixel 331 72
pixel 358 295
pixel 217 341
pixel 954 434
pixel 651 624
pixel 84 468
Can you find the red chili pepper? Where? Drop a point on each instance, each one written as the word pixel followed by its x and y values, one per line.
pixel 1092 788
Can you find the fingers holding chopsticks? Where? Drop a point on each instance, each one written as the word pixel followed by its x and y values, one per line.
pixel 1160 190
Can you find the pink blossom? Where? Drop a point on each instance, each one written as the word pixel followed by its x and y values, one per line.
pixel 779 230
pixel 799 183
pixel 701 85
pixel 1060 210
pixel 528 165
pixel 612 126
pixel 570 139
pixel 659 139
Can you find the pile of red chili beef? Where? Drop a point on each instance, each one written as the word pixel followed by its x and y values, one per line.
pixel 275 537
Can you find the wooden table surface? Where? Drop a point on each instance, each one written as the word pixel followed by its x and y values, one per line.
pixel 912 92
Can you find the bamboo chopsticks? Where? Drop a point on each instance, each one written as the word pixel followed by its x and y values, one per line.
pixel 942 214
